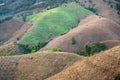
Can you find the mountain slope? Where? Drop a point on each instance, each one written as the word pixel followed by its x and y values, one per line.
pixel 103 66
pixel 54 22
pixel 8 28
pixel 92 29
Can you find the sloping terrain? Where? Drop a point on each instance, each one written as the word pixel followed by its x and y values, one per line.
pixel 37 66
pixel 92 29
pixel 54 22
pixel 20 33
pixel 103 66
pixel 107 8
pixel 8 28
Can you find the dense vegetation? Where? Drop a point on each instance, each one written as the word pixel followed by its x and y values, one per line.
pixel 30 48
pixel 54 22
pixel 91 49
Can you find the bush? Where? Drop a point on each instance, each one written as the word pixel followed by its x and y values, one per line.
pixel 73 41
pixel 117 77
pixel 87 49
pixel 56 49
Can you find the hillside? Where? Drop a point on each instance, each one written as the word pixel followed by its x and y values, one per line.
pixel 103 66
pixel 111 43
pixel 35 66
pixel 61 65
pixel 21 32
pixel 54 22
pixel 107 8
pixel 90 30
pixel 8 28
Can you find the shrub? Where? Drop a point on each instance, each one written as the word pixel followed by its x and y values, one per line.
pixel 56 49
pixel 30 48
pixel 117 77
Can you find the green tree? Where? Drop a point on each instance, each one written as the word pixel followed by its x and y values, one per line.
pixel 88 49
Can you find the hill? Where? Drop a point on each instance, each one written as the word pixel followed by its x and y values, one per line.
pixel 8 28
pixel 54 22
pixel 107 8
pixel 35 66
pixel 90 30
pixel 103 66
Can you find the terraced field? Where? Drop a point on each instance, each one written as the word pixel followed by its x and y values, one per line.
pixel 54 22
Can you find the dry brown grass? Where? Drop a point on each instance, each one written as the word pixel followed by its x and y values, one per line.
pixel 103 66
pixel 8 28
pixel 37 66
pixel 8 67
pixel 43 65
pixel 92 29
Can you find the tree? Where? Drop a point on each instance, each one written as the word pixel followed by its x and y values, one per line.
pixel 88 49
pixel 117 77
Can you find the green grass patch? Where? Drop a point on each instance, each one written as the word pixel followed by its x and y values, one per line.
pixel 54 22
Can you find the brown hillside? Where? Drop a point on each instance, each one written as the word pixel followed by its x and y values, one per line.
pixel 8 28
pixel 20 33
pixel 111 43
pixel 103 66
pixel 106 8
pixel 37 66
pixel 94 30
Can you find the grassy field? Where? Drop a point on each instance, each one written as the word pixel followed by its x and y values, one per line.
pixel 54 22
